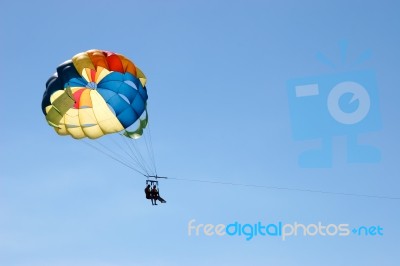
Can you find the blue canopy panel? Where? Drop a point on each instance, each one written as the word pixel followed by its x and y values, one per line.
pixel 125 94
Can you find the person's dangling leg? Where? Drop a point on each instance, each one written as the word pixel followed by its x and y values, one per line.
pixel 161 199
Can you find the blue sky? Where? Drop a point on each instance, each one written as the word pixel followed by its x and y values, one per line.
pixel 219 110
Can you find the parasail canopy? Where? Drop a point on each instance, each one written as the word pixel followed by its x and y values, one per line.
pixel 96 93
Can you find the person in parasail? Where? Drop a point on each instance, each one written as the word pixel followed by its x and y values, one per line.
pixel 156 195
pixel 148 193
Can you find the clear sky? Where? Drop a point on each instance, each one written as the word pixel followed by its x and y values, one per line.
pixel 219 104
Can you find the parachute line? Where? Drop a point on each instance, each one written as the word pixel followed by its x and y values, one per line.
pixel 136 155
pixel 113 157
pixel 289 189
pixel 149 147
pixel 130 155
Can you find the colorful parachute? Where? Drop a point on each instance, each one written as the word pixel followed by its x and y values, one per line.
pixel 94 94
pixel 98 93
